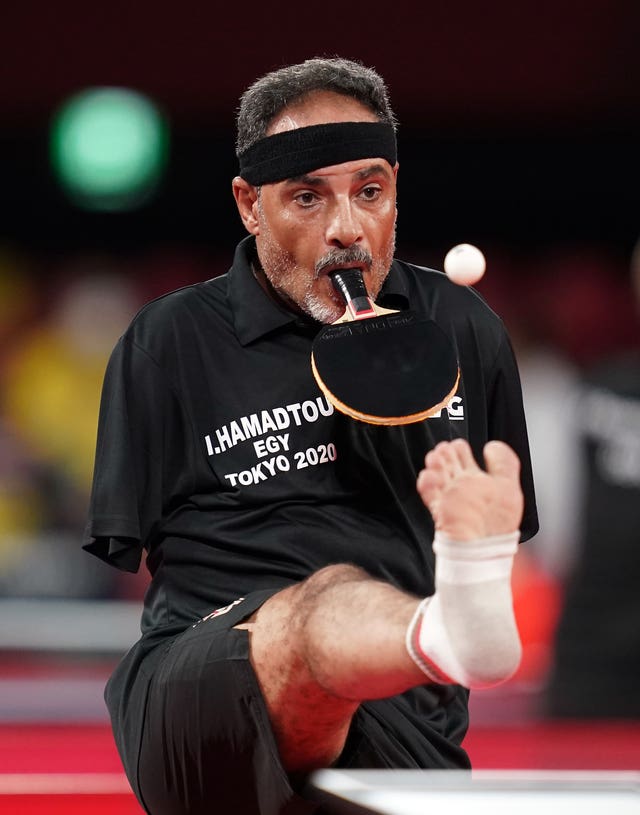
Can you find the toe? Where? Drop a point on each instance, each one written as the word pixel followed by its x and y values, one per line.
pixel 501 460
pixel 463 454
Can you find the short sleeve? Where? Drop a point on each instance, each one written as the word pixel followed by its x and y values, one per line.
pixel 137 418
pixel 507 423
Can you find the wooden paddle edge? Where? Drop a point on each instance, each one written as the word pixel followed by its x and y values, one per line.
pixel 380 311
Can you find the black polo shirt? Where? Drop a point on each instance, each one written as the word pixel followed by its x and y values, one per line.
pixel 219 456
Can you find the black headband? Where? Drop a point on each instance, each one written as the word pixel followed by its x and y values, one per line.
pixel 295 152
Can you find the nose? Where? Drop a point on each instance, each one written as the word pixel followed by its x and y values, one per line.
pixel 343 226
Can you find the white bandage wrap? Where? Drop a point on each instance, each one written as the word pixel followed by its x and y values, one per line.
pixel 466 632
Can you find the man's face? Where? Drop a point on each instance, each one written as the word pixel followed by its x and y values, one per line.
pixel 335 217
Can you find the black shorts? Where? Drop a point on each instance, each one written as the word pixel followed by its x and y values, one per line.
pixel 207 744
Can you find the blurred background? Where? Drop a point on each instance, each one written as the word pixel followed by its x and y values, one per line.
pixel 519 132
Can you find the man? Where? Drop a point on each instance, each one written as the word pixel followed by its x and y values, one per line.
pixel 219 456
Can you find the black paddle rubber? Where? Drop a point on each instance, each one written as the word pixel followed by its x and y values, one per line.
pixel 396 368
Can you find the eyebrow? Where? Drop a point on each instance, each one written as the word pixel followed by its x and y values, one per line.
pixel 361 175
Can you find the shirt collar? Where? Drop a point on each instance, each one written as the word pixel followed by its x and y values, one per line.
pixel 394 292
pixel 256 314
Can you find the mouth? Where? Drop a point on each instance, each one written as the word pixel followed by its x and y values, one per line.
pixel 355 257
pixel 328 270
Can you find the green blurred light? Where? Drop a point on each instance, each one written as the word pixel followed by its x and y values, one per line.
pixel 109 147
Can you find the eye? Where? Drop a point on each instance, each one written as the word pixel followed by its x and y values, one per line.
pixel 306 199
pixel 371 192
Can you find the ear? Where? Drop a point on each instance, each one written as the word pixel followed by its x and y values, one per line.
pixel 246 196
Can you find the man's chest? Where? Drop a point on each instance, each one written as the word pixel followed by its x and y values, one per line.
pixel 263 428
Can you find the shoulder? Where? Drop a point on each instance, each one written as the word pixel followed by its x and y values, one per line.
pixel 178 313
pixel 478 333
pixel 432 291
pixel 182 301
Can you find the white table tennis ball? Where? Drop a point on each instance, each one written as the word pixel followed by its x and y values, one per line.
pixel 464 264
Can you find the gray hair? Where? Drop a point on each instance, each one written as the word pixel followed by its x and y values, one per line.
pixel 270 94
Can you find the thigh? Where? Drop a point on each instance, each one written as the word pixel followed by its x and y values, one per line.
pixel 207 743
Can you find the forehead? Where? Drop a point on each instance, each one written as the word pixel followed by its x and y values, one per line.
pixel 318 108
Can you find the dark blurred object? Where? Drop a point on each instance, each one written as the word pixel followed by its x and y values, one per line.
pixel 597 653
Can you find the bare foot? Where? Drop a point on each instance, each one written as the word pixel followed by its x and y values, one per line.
pixel 465 501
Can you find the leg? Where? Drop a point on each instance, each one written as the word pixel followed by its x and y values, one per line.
pixel 315 666
pixel 467 631
pixel 321 647
pixel 206 741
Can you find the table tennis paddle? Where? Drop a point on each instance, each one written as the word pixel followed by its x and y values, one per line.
pixel 382 366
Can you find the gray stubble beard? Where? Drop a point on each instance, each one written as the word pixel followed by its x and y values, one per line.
pixel 310 303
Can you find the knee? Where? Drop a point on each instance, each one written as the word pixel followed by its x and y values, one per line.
pixel 335 575
pixel 293 604
pixel 323 592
